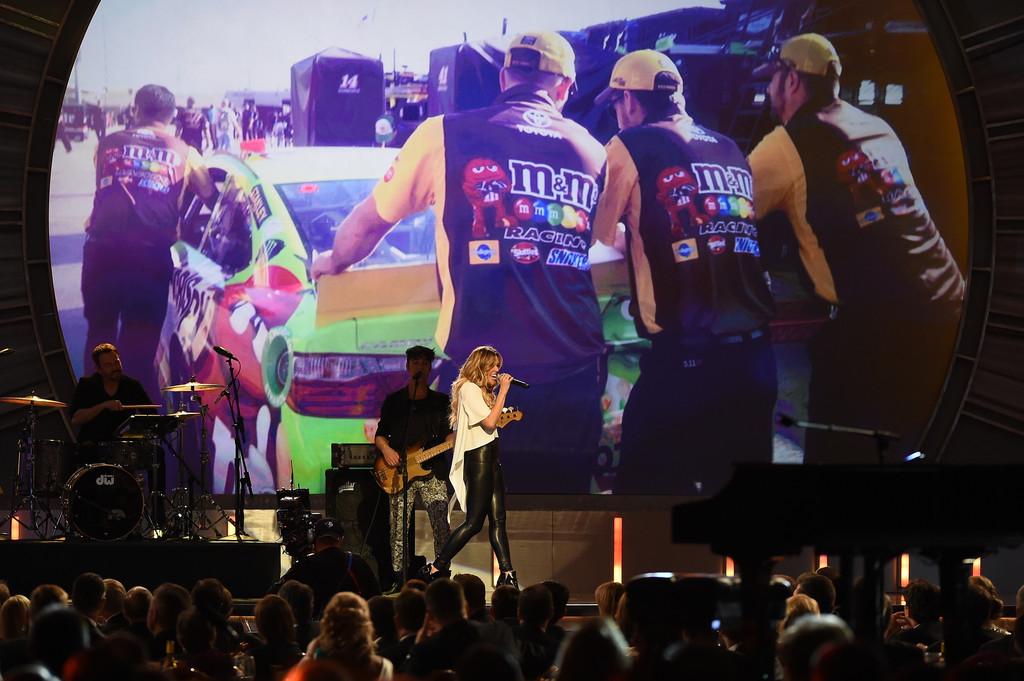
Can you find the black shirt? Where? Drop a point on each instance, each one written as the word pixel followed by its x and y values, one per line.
pixel 329 571
pixel 104 426
pixel 427 424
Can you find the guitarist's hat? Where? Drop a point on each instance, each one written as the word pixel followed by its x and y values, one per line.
pixel 328 527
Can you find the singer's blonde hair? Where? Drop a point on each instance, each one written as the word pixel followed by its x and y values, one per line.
pixel 476 369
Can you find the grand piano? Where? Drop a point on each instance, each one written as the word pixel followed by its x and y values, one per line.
pixel 947 513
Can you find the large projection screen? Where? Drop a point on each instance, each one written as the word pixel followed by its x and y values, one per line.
pixel 317 360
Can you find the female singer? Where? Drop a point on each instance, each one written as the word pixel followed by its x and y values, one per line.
pixel 476 472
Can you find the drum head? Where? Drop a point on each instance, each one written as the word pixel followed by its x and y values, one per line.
pixel 103 502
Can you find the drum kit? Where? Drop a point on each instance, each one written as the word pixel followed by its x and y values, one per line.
pixel 105 500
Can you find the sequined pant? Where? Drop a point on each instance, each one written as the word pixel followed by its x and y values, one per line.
pixel 434 494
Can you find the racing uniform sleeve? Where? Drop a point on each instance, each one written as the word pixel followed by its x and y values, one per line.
pixel 621 195
pixel 778 174
pixel 780 184
pixel 197 176
pixel 408 187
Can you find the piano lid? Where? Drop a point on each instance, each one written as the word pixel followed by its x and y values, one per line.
pixel 776 509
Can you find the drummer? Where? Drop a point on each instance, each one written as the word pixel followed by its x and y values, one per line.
pixel 98 407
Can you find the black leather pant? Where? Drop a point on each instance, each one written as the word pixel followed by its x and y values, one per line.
pixel 485 498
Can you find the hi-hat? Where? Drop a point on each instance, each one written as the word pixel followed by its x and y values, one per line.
pixel 184 415
pixel 34 401
pixel 190 387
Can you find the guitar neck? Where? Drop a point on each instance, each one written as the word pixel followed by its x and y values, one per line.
pixel 428 454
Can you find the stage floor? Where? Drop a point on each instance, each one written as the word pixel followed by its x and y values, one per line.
pixel 247 568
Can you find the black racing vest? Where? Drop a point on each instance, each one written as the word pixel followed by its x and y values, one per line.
pixel 698 234
pixel 521 185
pixel 139 179
pixel 879 240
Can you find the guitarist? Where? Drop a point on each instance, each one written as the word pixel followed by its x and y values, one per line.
pixel 416 415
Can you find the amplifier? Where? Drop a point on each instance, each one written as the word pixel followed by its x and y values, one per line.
pixel 359 454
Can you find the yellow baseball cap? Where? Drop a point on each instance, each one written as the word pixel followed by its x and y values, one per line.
pixel 643 70
pixel 808 53
pixel 544 51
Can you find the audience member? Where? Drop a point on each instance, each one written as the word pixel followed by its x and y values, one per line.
pixel 169 601
pixel 596 652
pixel 702 660
pixel 446 633
pixel 14 617
pixel 410 609
pixel 197 636
pixel 801 641
pixel 559 601
pixel 88 595
pixel 851 661
pixel 607 596
pixel 346 636
pixel 213 600
pixel 112 616
pixel 382 617
pixel 626 625
pixel 136 610
pixel 995 617
pixel 505 604
pixel 485 662
pixel 1011 646
pixel 276 626
pixel 330 569
pixel 820 588
pixel 976 622
pixel 919 622
pixel 537 649
pixel 299 597
pixel 654 611
pixel 497 633
pixel 798 605
pixel 14 652
pixel 57 633
pixel 119 657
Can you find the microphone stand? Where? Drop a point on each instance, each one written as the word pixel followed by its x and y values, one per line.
pixel 882 437
pixel 242 482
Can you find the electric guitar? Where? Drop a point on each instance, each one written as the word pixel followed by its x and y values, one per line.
pixel 389 478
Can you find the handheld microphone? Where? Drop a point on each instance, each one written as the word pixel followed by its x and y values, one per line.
pixel 223 353
pixel 521 384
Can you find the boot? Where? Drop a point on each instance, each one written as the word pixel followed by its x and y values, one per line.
pixel 425 574
pixel 508 579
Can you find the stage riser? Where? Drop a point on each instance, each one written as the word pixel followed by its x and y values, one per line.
pixel 246 568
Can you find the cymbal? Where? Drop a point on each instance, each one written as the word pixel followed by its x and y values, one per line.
pixel 34 401
pixel 190 387
pixel 184 415
pixel 141 406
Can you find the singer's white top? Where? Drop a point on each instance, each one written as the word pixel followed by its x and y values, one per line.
pixel 469 434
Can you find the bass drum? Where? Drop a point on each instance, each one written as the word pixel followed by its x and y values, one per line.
pixel 103 502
